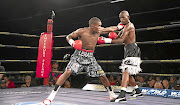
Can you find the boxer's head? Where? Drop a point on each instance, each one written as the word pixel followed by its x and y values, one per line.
pixel 95 24
pixel 124 17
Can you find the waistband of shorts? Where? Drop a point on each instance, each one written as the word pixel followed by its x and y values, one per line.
pixel 87 50
pixel 131 45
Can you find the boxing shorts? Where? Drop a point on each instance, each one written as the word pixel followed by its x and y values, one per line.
pixel 84 61
pixel 132 59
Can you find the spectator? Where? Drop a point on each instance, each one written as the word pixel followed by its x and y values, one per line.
pixel 111 80
pixel 165 84
pixel 178 84
pixel 118 81
pixel 158 79
pixel 3 84
pixel 158 85
pixel 1 75
pixel 146 78
pixel 142 83
pixel 172 83
pixel 9 83
pixel 151 83
pixel 28 82
pixel 150 78
pixel 178 81
pixel 53 75
pixel 67 84
pixel 137 78
pixel 2 69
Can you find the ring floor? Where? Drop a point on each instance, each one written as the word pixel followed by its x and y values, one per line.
pixel 73 96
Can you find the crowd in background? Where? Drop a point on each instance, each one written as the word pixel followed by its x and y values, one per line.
pixel 30 80
pixel 160 82
pixel 14 81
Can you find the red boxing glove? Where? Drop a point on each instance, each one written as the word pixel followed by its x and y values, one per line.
pixel 113 35
pixel 120 26
pixel 77 44
pixel 103 40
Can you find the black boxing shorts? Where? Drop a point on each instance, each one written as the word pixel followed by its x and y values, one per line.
pixel 132 59
pixel 132 50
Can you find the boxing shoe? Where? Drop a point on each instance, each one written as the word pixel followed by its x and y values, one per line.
pixel 48 100
pixel 121 98
pixel 136 93
pixel 112 95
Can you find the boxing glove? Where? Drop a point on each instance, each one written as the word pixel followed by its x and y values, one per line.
pixel 113 35
pixel 77 44
pixel 120 26
pixel 103 40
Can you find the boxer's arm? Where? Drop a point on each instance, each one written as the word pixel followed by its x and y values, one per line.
pixel 112 28
pixel 78 43
pixel 74 34
pixel 122 35
pixel 109 29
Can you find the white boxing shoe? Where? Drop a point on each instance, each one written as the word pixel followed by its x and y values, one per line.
pixel 47 102
pixel 112 95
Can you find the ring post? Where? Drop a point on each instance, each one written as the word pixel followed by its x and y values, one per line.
pixel 45 52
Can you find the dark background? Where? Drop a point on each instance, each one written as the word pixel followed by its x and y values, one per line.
pixel 30 17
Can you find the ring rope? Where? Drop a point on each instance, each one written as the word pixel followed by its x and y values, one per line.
pixel 17 34
pixel 103 45
pixel 27 35
pixel 158 27
pixel 102 61
pixel 114 73
pixel 62 36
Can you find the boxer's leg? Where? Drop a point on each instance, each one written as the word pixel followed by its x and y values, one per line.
pixel 107 85
pixel 122 95
pixel 136 91
pixel 72 66
pixel 58 84
pixel 95 70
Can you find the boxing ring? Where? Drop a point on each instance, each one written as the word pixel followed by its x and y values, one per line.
pixel 74 96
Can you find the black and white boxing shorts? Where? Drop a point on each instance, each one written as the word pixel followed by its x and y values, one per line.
pixel 84 60
pixel 132 59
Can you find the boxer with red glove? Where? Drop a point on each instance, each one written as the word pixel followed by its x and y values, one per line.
pixel 77 44
pixel 83 56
